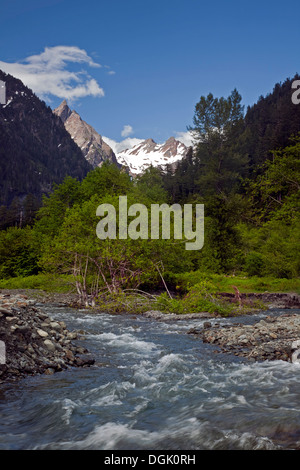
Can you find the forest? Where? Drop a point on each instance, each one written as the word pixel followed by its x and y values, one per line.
pixel 244 167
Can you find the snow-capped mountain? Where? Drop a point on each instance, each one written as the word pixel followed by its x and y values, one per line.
pixel 149 153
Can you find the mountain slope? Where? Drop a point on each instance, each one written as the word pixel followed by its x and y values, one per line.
pixel 94 149
pixel 35 148
pixel 149 153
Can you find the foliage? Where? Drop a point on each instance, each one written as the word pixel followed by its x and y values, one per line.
pixel 126 301
pixel 272 250
pixel 68 227
pixel 18 256
pixel 217 123
pixel 150 184
pixel 197 299
pixel 105 180
pixel 252 225
pixel 274 193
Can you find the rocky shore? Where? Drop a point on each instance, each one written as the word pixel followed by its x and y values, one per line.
pixel 270 299
pixel 273 338
pixel 162 316
pixel 33 343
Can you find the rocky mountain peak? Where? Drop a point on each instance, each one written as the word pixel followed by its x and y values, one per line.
pixel 94 149
pixel 149 142
pixel 63 111
pixel 173 147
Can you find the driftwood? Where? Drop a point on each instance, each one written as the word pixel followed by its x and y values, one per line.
pixel 238 297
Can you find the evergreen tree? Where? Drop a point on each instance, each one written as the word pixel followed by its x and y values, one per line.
pixel 270 122
pixel 217 124
pixel 30 207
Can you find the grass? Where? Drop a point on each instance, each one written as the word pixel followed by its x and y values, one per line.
pixel 256 284
pixel 196 292
pixel 224 283
pixel 214 283
pixel 45 282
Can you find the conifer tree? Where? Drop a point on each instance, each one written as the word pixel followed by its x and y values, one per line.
pixel 217 124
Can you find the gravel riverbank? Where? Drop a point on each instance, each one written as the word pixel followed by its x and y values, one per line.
pixel 32 343
pixel 273 338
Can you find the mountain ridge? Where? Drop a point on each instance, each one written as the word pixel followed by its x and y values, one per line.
pixel 149 153
pixel 134 159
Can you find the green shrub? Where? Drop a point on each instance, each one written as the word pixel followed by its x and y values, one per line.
pixel 254 264
pixel 197 299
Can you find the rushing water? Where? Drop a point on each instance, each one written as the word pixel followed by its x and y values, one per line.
pixel 154 387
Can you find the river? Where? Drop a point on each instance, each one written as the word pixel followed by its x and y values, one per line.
pixel 153 387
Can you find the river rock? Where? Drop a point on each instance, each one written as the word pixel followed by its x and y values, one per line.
pixel 5 312
pixel 49 371
pixel 55 325
pixel 49 345
pixel 42 333
pixel 84 360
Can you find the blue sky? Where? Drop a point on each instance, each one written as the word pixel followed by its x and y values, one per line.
pixel 144 64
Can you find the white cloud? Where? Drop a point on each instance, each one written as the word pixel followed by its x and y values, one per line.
pixel 127 130
pixel 110 72
pixel 127 143
pixel 185 137
pixel 46 73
